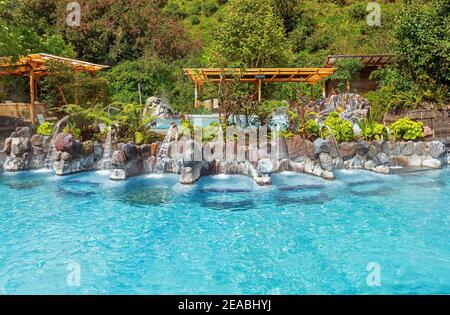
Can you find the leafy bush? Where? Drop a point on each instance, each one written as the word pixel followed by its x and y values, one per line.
pixel 312 128
pixel 370 129
pixel 266 108
pixel 45 129
pixel 341 128
pixel 406 129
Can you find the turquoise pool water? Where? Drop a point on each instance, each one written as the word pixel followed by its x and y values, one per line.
pixel 150 235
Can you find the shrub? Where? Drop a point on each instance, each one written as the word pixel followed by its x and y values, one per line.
pixel 341 128
pixel 370 129
pixel 45 129
pixel 312 128
pixel 406 129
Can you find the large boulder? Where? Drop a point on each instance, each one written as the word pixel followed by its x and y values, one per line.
pixel 18 146
pixel 7 146
pixel 119 159
pixel 326 161
pixel 156 107
pixel 130 151
pixel 420 147
pixel 382 158
pixel 362 147
pixel 347 150
pixel 436 149
pixel 408 148
pixel 320 146
pixel 357 162
pixel 21 132
pixel 431 163
pixel 64 142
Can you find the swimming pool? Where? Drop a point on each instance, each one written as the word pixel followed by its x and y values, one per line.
pixel 225 235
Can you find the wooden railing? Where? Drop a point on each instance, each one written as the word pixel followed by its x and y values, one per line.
pixel 21 110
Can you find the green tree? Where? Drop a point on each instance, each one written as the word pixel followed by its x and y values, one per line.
pixel 422 32
pixel 250 35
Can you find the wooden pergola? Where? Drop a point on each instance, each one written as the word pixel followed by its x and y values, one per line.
pixel 372 60
pixel 258 76
pixel 34 66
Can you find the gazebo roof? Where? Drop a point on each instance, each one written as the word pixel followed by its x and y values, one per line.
pixel 368 60
pixel 309 75
pixel 38 62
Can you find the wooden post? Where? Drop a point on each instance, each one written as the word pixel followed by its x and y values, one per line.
pixel 32 96
pixel 259 90
pixel 311 92
pixel 347 88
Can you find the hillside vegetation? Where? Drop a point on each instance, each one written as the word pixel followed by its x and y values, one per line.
pixel 151 41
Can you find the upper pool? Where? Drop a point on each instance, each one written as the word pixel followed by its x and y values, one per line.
pixel 151 235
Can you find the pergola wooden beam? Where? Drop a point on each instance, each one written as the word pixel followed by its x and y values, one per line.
pixel 35 65
pixel 258 76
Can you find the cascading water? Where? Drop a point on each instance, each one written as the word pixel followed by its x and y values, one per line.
pixel 162 157
pixel 340 164
pixel 105 163
pixel 52 150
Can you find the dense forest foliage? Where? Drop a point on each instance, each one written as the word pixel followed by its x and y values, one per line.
pixel 150 41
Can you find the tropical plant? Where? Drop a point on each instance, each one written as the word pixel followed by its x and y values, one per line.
pixel 45 129
pixel 371 130
pixel 406 129
pixel 312 128
pixel 342 129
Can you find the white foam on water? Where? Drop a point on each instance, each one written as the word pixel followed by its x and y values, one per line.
pixel 42 170
pixel 396 167
pixel 155 176
pixel 221 176
pixel 288 173
pixel 103 172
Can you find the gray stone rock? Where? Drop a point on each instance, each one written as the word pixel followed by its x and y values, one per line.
pixel 357 162
pixel 414 160
pixel 362 147
pixel 326 161
pixel 382 158
pixel 432 163
pixel 347 150
pixel 436 149
pixel 66 156
pixel 327 175
pixel 264 166
pixel 420 147
pixel 98 151
pixel 309 166
pixel 7 146
pixel 408 149
pixel 370 165
pixel 320 146
pixel 18 146
pixel 372 152
pixel 382 169
pixel 317 170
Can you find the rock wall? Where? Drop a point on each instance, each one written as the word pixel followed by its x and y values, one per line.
pixel 378 156
pixel 24 151
pixel 73 156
